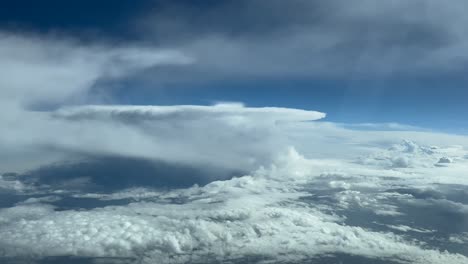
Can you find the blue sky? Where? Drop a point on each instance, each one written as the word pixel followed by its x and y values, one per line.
pixel 436 104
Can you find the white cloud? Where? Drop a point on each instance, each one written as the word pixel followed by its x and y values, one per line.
pixel 48 70
pixel 459 239
pixel 14 184
pixel 405 228
pixel 187 134
pixel 263 214
pixel 41 69
pixel 61 69
pixel 257 215
pixel 234 113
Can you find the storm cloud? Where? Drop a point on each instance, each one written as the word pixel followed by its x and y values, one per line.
pixel 321 39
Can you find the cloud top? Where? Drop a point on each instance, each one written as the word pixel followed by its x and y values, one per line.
pixel 186 112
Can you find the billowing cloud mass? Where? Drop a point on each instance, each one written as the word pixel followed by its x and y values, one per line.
pixel 187 134
pixel 39 72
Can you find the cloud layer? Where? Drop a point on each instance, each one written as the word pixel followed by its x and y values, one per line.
pixel 293 210
pixel 312 38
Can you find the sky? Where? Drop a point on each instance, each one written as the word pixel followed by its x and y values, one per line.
pixel 360 63
pixel 233 131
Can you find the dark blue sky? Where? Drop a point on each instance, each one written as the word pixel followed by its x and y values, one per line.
pixel 416 103
pixel 433 95
pixel 83 17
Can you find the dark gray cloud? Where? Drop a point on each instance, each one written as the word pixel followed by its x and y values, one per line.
pixel 290 39
pixel 317 39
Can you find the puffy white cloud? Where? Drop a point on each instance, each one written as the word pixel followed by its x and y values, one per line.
pixel 265 214
pixel 260 215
